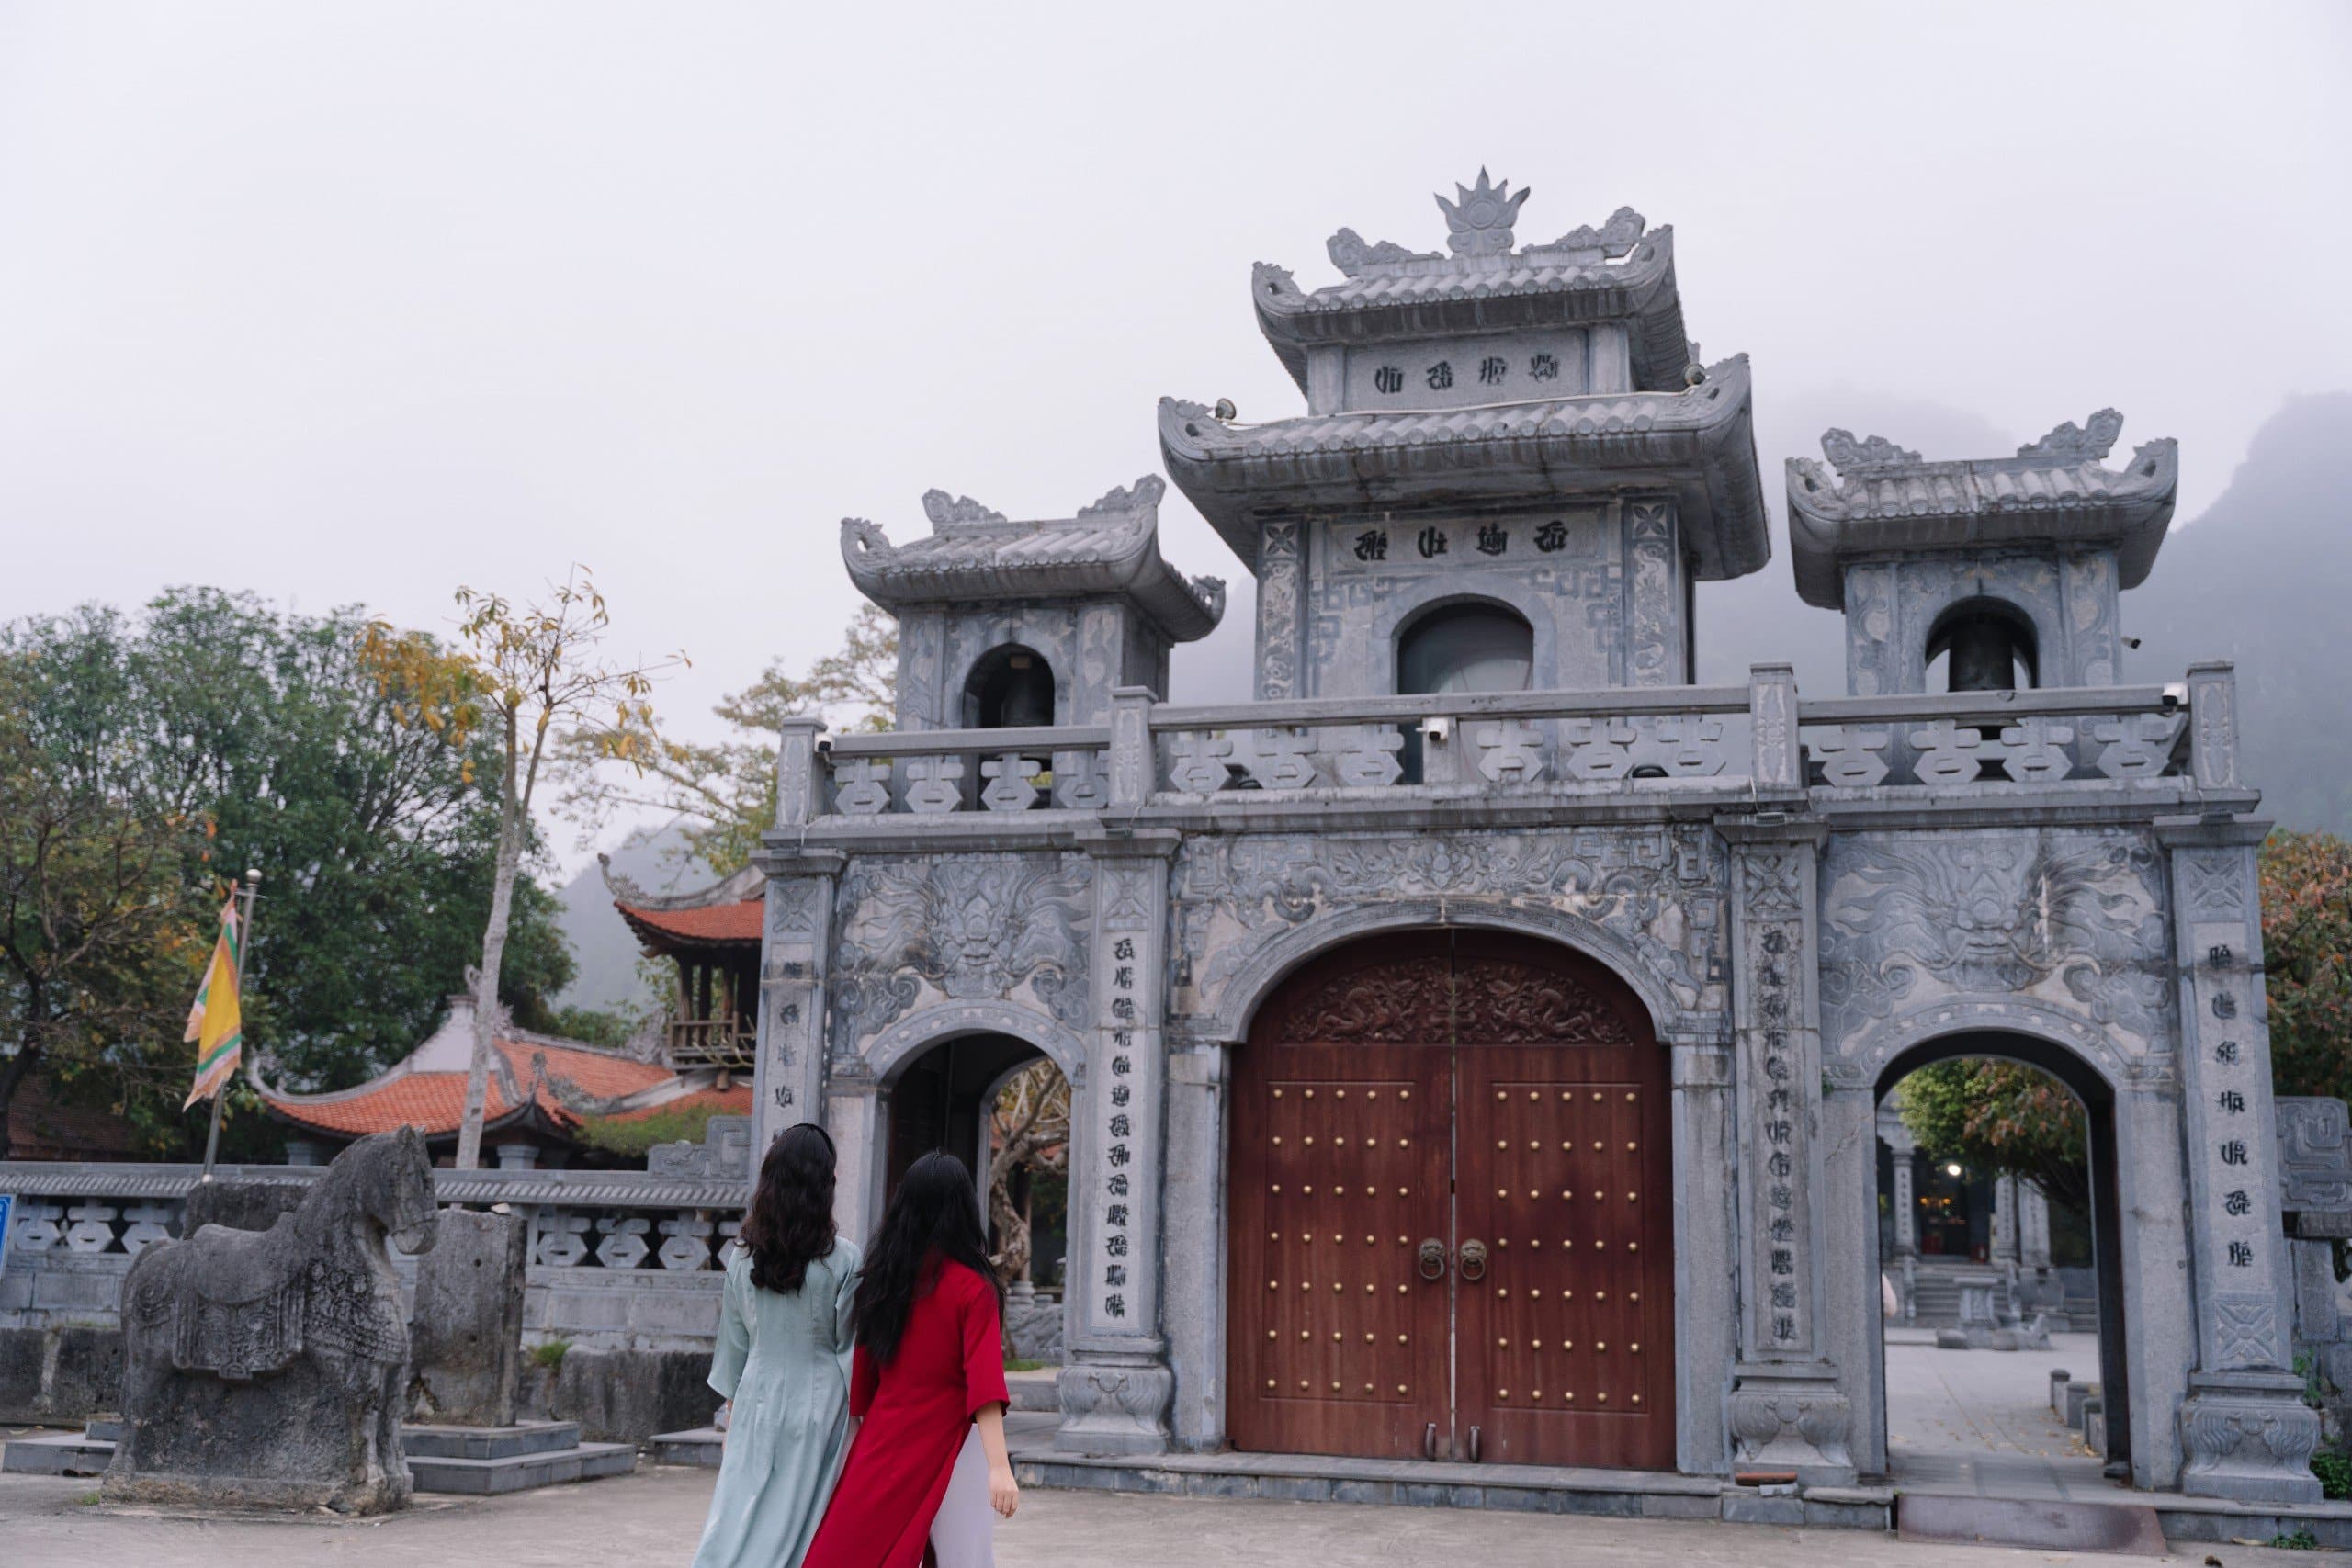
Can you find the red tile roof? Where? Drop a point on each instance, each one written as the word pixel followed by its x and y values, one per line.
pixel 435 1103
pixel 711 922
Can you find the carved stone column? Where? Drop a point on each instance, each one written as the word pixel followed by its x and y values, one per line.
pixel 1906 1199
pixel 1656 602
pixel 2033 1227
pixel 1787 1408
pixel 1116 1390
pixel 2003 1252
pixel 2245 1429
pixel 788 1077
pixel 1281 611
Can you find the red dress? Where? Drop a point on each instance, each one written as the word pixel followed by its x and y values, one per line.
pixel 917 1412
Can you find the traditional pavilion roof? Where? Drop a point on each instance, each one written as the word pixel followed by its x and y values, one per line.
pixel 727 913
pixel 1110 548
pixel 2055 491
pixel 1696 441
pixel 536 1081
pixel 1622 271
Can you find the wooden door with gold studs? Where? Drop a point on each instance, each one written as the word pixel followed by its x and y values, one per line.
pixel 1563 1339
pixel 1451 1212
pixel 1339 1209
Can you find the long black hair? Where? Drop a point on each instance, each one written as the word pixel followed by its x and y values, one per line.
pixel 790 1224
pixel 934 1218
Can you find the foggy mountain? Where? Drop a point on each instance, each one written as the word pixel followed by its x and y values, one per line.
pixel 2264 577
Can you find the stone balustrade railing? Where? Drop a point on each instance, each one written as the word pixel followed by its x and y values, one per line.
pixel 1684 740
pixel 614 1256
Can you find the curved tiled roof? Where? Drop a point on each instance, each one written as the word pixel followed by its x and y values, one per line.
pixel 1110 547
pixel 538 1081
pixel 1695 441
pixel 1885 499
pixel 715 922
pixel 1422 297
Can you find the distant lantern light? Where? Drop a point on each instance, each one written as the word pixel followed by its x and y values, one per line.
pixel 1951 1170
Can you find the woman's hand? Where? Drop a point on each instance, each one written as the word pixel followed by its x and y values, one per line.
pixel 1004 1492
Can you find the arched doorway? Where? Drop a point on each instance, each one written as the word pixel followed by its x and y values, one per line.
pixel 2095 1098
pixel 945 1099
pixel 1451 1213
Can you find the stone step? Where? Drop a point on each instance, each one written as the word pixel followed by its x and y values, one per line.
pixel 521 1472
pixel 69 1453
pixel 1035 1390
pixel 700 1446
pixel 434 1441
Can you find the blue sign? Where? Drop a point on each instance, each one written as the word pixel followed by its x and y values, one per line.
pixel 7 1212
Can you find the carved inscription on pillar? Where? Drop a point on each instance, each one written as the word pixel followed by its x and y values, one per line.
pixel 1778 1080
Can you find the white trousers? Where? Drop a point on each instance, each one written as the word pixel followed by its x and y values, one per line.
pixel 964 1533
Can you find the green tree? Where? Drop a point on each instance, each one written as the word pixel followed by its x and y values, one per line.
pixel 723 793
pixel 2307 952
pixel 263 734
pixel 98 935
pixel 523 676
pixel 2005 1117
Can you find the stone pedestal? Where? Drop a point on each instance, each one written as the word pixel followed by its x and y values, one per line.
pixel 1791 1416
pixel 2249 1437
pixel 467 1331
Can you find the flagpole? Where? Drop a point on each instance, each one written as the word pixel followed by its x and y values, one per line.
pixel 244 942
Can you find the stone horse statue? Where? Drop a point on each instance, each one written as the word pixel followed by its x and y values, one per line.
pixel 271 1367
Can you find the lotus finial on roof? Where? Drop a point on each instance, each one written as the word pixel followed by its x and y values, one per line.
pixel 1848 456
pixel 1481 217
pixel 2090 442
pixel 947 511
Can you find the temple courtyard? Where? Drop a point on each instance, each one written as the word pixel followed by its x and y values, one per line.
pixel 655 1516
pixel 1974 1422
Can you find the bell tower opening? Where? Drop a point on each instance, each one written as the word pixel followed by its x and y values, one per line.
pixel 1984 645
pixel 1010 687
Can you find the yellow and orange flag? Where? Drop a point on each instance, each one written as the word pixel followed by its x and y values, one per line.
pixel 216 1023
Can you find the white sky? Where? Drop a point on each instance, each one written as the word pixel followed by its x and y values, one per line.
pixel 357 302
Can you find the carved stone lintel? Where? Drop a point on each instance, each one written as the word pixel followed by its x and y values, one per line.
pixel 2249 1437
pixel 1791 1416
pixel 1116 1403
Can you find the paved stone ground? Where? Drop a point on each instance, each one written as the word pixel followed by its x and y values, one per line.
pixel 1978 1422
pixel 654 1516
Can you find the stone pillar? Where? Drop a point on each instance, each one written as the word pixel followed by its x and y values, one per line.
pixel 1116 1387
pixel 1906 1202
pixel 788 1074
pixel 854 1115
pixel 1281 611
pixel 466 1335
pixel 1656 602
pixel 2004 1249
pixel 1706 1293
pixel 2034 1226
pixel 518 1156
pixel 1787 1407
pixel 2247 1432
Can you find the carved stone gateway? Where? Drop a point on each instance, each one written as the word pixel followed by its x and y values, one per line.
pixel 270 1366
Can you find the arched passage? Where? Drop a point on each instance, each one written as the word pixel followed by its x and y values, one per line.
pixel 2096 1096
pixel 1451 1232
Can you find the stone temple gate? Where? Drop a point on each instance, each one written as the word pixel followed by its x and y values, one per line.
pixel 1476 1039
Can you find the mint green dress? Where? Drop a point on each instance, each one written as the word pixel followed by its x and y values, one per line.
pixel 784 1360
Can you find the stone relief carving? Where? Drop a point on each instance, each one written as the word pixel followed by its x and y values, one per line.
pixel 2314 1154
pixel 1655 639
pixel 1585 244
pixel 972 928
pixel 1278 589
pixel 2073 919
pixel 1659 889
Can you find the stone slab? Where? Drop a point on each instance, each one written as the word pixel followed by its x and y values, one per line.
pixel 522 1472
pixel 1035 1390
pixel 699 1446
pixel 467 1331
pixel 2126 1529
pixel 443 1440
pixel 71 1453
